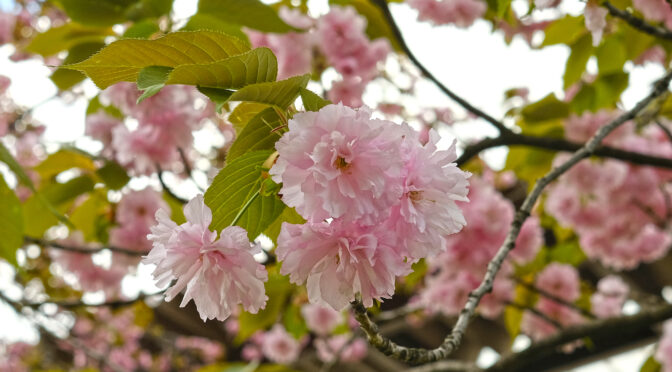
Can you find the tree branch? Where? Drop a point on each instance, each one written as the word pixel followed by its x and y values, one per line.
pixel 559 144
pixel 446 366
pixel 454 339
pixel 70 248
pixel 159 173
pixel 382 4
pixel 638 23
pixel 554 298
pixel 77 304
pixel 602 328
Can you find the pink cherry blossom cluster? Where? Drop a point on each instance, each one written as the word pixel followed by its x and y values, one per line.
pixel 120 336
pixel 218 273
pixel 340 36
pixel 165 124
pixel 294 50
pixel 561 281
pixel 655 10
pixel 13 356
pixel 610 296
pixel 617 209
pixel 134 216
pixel 460 269
pixel 664 350
pixel 374 198
pixel 461 13
pixel 342 39
pixel 90 276
pixel 277 345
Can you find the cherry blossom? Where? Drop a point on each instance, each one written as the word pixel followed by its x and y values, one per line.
pixel 338 260
pixel 342 346
pixel 596 21
pixel 610 296
pixel 560 280
pixel 293 50
pixel 432 186
pixel 339 163
pixel 320 319
pixel 216 273
pixel 462 13
pixel 279 346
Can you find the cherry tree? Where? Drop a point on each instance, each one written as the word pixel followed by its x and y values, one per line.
pixel 290 219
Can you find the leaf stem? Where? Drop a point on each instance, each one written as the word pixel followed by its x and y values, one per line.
pixel 244 208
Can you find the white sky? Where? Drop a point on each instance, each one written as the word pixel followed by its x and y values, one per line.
pixel 475 63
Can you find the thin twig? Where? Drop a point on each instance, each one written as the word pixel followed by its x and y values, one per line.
pixel 71 248
pixel 114 304
pixel 659 221
pixel 159 173
pixel 668 203
pixel 559 144
pixel 537 313
pixel 454 339
pixel 397 313
pixel 638 23
pixel 382 4
pixel 553 297
pixel 188 169
pixel 664 128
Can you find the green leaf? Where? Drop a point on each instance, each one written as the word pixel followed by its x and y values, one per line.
pixel 250 13
pixel 11 223
pixel 294 322
pixel 113 175
pixel 651 365
pixel 565 30
pixel 567 252
pixel 311 101
pixel 65 78
pixel 151 79
pixel 123 59
pixel 581 51
pixel 277 290
pixel 502 7
pixel 611 56
pixel 148 9
pixel 15 167
pixel 95 106
pixel 257 135
pixel 280 93
pixel 376 26
pixel 288 215
pixel 208 22
pixel 65 37
pixel 63 160
pixel 604 92
pixel 59 195
pixel 176 209
pixel 549 107
pixel 243 113
pixel 233 186
pixel 141 30
pixel 97 12
pixel 256 66
pixel 529 164
pixel 512 315
pixel 218 96
pixel 86 216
